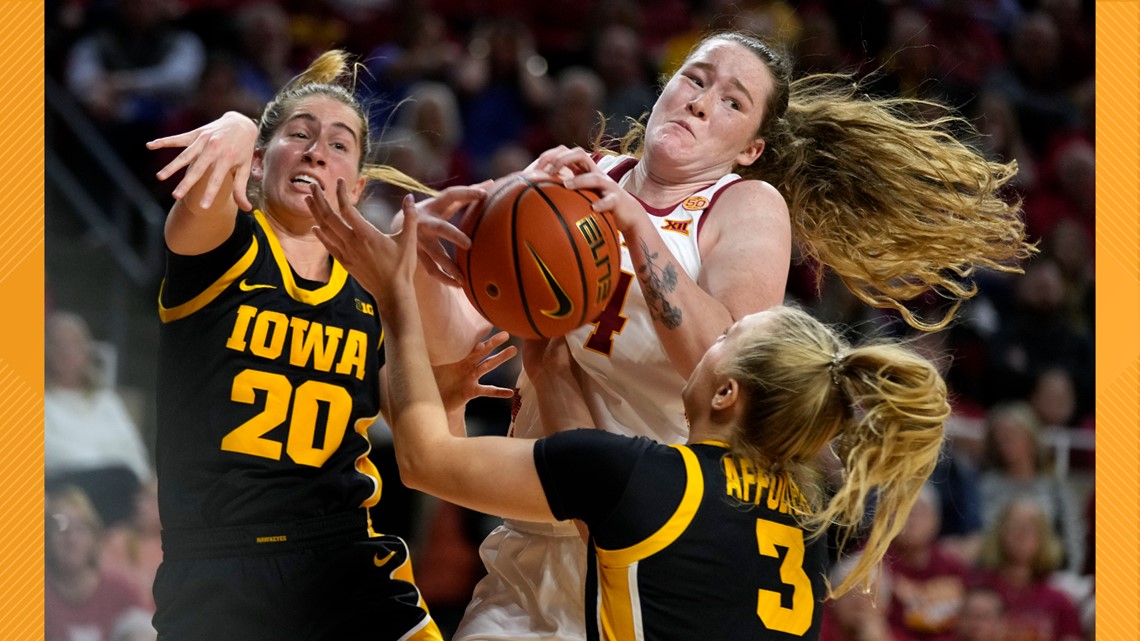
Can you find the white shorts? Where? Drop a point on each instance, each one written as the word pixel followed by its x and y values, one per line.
pixel 534 588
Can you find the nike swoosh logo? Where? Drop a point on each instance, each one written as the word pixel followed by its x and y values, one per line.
pixel 381 562
pixel 565 305
pixel 246 287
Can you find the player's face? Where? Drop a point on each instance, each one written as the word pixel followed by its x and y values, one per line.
pixel 318 142
pixel 708 114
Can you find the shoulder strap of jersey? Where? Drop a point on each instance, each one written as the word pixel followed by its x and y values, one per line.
pixel 310 296
pixel 674 527
pixel 615 166
pixel 169 314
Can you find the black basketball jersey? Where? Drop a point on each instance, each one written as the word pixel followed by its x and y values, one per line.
pixel 685 541
pixel 266 387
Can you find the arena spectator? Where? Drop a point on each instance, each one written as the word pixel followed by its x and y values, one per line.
pixel 90 439
pixel 1016 466
pixel 82 600
pixel 131 73
pixel 1020 553
pixel 927 584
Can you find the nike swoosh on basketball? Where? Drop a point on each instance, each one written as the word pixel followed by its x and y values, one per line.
pixel 247 287
pixel 381 562
pixel 565 305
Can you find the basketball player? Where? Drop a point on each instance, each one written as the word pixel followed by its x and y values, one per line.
pixel 715 539
pixel 733 163
pixel 269 376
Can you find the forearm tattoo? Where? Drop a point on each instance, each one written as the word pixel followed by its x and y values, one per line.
pixel 656 284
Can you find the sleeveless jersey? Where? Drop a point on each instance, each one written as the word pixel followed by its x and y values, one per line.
pixel 630 385
pixel 694 545
pixel 266 388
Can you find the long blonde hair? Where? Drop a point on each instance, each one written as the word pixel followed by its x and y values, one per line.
pixel 331 75
pixel 882 408
pixel 895 203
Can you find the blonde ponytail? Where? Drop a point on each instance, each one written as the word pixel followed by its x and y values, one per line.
pixel 881 407
pixel 889 444
pixel 327 69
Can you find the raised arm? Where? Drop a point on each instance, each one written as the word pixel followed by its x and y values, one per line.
pixel 491 474
pixel 745 247
pixel 454 324
pixel 217 157
pixel 554 375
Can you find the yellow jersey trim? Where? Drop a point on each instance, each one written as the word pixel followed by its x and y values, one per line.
pixel 309 296
pixel 714 442
pixel 672 529
pixel 206 297
pixel 619 607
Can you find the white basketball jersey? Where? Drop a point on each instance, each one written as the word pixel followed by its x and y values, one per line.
pixel 630 385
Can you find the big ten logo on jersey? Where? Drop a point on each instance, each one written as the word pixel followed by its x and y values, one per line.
pixel 364 307
pixel 601 254
pixel 268 334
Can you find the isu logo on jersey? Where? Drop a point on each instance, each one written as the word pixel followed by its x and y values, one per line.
pixel 695 203
pixel 679 226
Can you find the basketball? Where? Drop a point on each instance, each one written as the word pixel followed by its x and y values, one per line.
pixel 541 262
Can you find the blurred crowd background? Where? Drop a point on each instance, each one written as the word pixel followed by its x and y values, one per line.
pixel 1000 548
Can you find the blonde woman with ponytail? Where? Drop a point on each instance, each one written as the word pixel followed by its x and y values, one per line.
pixel 269 376
pixel 717 538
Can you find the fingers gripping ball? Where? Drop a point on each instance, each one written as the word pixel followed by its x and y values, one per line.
pixel 541 263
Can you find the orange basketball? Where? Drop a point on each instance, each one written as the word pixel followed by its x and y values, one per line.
pixel 541 263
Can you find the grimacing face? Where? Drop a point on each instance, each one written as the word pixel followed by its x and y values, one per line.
pixel 706 120
pixel 319 141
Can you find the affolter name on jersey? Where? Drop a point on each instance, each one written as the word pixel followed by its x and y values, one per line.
pixel 745 483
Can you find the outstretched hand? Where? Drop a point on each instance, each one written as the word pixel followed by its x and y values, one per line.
pixel 459 382
pixel 383 263
pixel 436 227
pixel 577 170
pixel 212 152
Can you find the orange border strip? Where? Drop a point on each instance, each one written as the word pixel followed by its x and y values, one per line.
pixel 1118 314
pixel 1118 341
pixel 22 321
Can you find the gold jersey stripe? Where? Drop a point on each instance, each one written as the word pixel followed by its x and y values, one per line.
pixel 309 296
pixel 201 300
pixel 365 466
pixel 662 538
pixel 619 609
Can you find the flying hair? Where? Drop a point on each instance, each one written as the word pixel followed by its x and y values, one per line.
pixel 893 202
pixel 881 190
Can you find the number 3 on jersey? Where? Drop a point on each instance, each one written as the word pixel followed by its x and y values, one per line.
pixel 249 437
pixel 610 321
pixel 796 619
